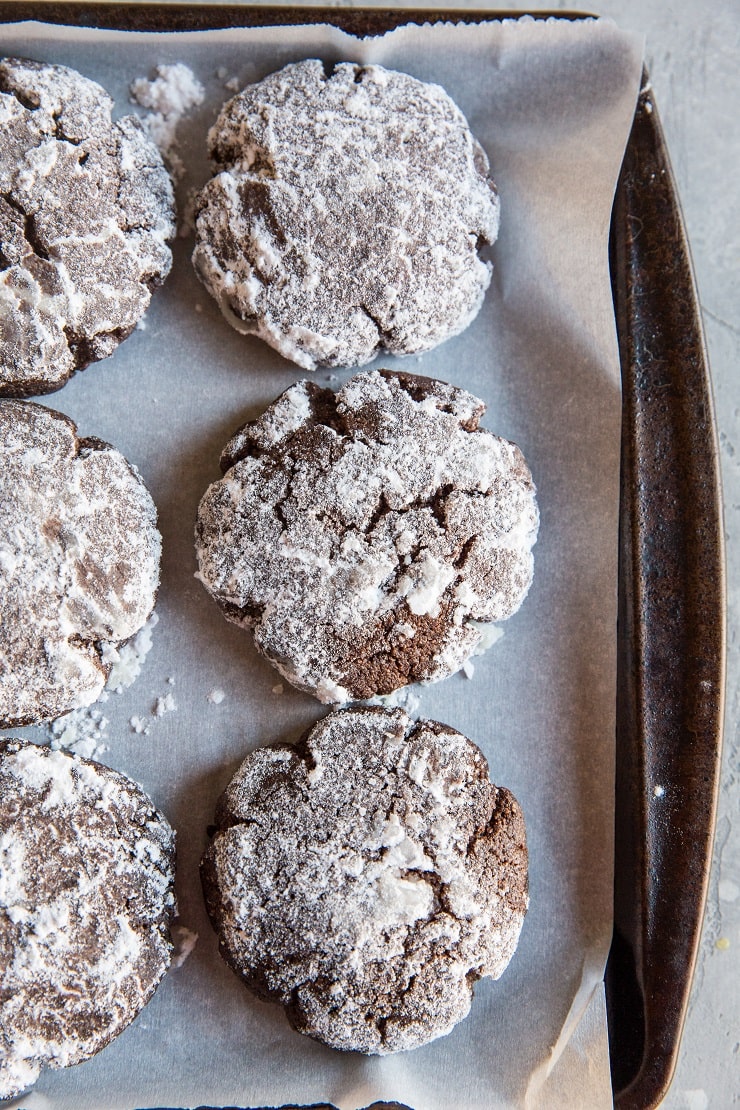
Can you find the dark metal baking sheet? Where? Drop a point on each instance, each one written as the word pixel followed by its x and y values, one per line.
pixel 671 579
pixel 670 677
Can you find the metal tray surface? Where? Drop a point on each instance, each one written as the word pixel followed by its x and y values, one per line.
pixel 671 625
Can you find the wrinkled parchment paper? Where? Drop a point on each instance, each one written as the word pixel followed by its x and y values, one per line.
pixel 551 103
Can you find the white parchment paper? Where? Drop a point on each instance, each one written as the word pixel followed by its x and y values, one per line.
pixel 551 103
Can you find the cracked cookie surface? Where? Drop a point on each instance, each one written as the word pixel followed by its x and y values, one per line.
pixel 367 878
pixel 86 209
pixel 346 214
pixel 79 562
pixel 86 898
pixel 364 535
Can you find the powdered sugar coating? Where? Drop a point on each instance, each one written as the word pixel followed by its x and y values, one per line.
pixel 86 897
pixel 364 535
pixel 346 214
pixel 79 562
pixel 367 878
pixel 86 209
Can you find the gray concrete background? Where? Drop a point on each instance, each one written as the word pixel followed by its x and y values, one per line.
pixel 693 57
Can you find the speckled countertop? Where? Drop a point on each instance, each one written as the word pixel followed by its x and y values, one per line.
pixel 693 57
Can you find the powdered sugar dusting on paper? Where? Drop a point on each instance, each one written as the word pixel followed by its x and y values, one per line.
pixel 129 657
pixel 164 704
pixel 81 732
pixel 184 940
pixel 169 95
pixel 84 731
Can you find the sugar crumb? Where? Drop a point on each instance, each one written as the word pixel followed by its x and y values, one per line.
pixel 216 696
pixel 184 941
pixel 164 705
pixel 168 96
pixel 128 660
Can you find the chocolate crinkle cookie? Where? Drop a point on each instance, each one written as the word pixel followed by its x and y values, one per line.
pixel 86 898
pixel 346 215
pixel 79 562
pixel 365 534
pixel 86 209
pixel 367 878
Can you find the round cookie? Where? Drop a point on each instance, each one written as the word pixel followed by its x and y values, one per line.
pixel 86 898
pixel 364 535
pixel 346 214
pixel 79 562
pixel 86 209
pixel 367 877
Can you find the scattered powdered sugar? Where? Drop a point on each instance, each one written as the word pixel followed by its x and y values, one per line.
pixel 141 724
pixel 369 536
pixel 86 896
pixel 367 877
pixel 129 658
pixel 165 704
pixel 184 941
pixel 81 732
pixel 169 95
pixel 490 634
pixel 404 698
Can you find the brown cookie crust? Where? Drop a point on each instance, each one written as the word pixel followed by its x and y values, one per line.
pixel 367 878
pixel 346 214
pixel 365 534
pixel 86 209
pixel 86 899
pixel 79 562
